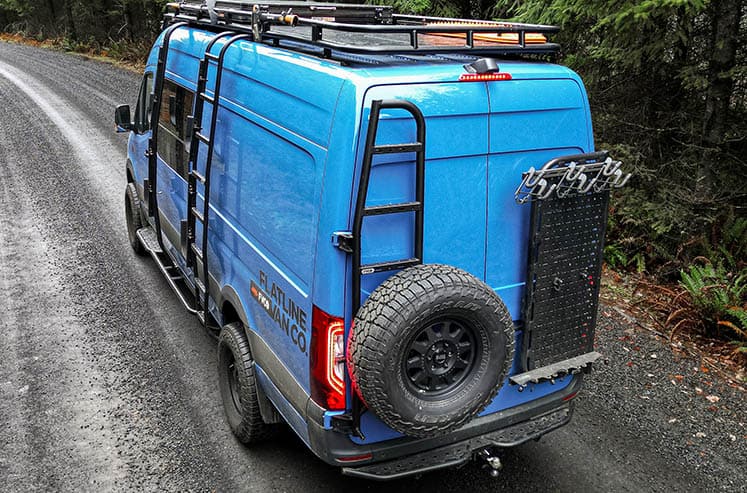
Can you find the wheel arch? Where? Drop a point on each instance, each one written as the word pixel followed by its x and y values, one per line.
pixel 231 308
pixel 130 172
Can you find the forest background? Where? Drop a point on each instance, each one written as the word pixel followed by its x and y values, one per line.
pixel 667 81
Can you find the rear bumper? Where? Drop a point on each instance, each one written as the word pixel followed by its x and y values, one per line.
pixel 401 457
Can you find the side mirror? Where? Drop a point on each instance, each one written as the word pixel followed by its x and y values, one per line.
pixel 122 118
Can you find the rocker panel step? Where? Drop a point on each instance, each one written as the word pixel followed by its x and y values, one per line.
pixel 172 274
pixel 149 240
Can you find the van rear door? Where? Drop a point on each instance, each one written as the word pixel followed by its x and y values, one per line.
pixel 531 122
pixel 455 217
pixel 480 137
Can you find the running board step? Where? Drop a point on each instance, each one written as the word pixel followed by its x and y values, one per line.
pixel 149 240
pixel 551 372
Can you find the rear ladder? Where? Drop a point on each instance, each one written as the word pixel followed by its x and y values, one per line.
pixel 351 242
pixel 362 211
pixel 197 256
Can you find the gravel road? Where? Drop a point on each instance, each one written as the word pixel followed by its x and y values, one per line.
pixel 106 383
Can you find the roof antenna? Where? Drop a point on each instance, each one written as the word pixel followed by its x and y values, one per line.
pixel 211 10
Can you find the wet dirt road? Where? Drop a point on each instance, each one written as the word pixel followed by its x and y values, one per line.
pixel 106 383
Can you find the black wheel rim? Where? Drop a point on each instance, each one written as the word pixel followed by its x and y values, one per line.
pixel 440 357
pixel 232 372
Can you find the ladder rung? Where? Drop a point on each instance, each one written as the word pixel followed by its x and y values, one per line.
pixel 200 286
pixel 207 98
pixel 197 252
pixel 210 56
pixel 197 215
pixel 386 266
pixel 202 138
pixel 198 176
pixel 377 210
pixel 398 148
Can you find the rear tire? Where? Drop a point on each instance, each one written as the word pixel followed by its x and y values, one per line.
pixel 238 386
pixel 133 218
pixel 430 349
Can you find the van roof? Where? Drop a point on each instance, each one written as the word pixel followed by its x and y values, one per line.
pixel 371 69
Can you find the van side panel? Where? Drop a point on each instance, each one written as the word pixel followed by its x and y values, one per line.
pixel 332 272
pixel 266 184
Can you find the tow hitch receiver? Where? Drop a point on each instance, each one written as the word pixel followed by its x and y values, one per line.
pixel 492 463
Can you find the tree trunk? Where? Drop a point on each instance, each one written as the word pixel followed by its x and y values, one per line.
pixel 70 20
pixel 726 15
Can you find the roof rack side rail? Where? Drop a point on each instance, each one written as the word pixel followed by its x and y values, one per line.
pixel 320 26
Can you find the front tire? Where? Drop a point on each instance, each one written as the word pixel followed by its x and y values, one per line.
pixel 238 386
pixel 133 218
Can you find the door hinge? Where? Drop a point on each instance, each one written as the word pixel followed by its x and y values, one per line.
pixel 343 240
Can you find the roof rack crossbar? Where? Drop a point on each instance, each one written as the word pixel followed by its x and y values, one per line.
pixel 316 24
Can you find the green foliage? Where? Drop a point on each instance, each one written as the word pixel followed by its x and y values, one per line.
pixel 718 296
pixel 91 22
pixel 15 6
pixel 651 67
pixel 443 8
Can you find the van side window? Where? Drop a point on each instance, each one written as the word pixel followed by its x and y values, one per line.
pixel 173 146
pixel 144 104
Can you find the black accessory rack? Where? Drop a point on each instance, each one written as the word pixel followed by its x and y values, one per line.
pixel 332 29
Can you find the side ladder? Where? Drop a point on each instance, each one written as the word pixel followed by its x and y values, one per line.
pixel 151 186
pixel 351 242
pixel 197 256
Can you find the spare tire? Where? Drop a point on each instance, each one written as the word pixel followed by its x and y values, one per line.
pixel 429 349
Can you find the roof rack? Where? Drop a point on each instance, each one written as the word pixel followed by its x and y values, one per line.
pixel 363 29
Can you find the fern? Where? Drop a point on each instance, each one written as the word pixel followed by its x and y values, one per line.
pixel 739 315
pixel 718 296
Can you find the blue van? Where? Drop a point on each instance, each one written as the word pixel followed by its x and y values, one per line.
pixel 393 225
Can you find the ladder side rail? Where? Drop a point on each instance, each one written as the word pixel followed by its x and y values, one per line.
pixel 152 152
pixel 209 163
pixel 360 204
pixel 195 147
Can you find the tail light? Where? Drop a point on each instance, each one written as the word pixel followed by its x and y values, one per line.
pixel 327 360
